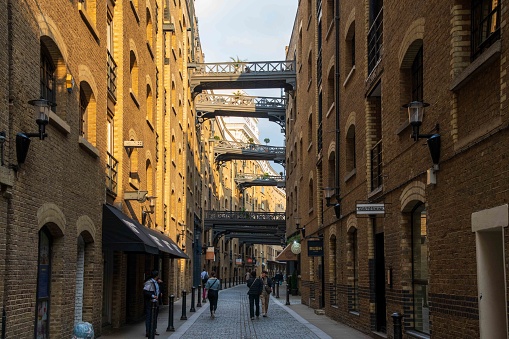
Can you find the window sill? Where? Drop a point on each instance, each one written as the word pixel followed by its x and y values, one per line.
pixel 331 109
pixel 484 60
pixel 310 211
pixel 133 96
pixel 310 146
pixel 351 174
pixel 402 128
pixel 88 22
pixel 87 146
pixel 375 191
pixel 356 313
pixel 415 334
pixel 350 74
pixel 61 125
pixel 309 84
pixel 329 30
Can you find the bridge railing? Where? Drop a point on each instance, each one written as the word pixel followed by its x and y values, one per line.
pixel 247 176
pixel 240 100
pixel 245 215
pixel 251 147
pixel 234 67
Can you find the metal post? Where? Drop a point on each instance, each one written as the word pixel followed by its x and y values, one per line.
pixel 198 304
pixel 277 289
pixel 170 327
pixel 225 281
pixel 192 309
pixel 287 293
pixel 184 297
pixel 153 320
pixel 229 282
pixel 396 318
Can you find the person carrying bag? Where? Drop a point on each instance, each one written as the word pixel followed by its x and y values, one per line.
pixel 212 286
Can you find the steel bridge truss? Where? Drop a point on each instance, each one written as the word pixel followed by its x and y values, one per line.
pixel 243 75
pixel 210 105
pixel 248 227
pixel 226 150
pixel 248 180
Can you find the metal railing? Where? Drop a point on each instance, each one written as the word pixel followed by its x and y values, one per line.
pixel 275 150
pixel 112 76
pixel 375 41
pixel 241 100
pixel 376 165
pixel 111 173
pixel 245 67
pixel 244 215
pixel 246 176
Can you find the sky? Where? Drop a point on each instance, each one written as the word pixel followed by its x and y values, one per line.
pixel 252 30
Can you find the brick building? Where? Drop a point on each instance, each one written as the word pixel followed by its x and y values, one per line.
pixel 437 254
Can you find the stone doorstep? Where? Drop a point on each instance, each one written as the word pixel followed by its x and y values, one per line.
pixel 320 312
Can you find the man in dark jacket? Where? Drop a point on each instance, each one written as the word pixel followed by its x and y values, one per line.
pixel 151 294
pixel 255 289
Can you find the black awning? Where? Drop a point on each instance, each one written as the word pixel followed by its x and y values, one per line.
pixel 121 233
pixel 165 244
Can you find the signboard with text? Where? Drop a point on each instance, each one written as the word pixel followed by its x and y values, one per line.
pixel 370 209
pixel 315 248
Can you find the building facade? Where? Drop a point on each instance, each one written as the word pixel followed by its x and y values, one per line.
pixel 428 256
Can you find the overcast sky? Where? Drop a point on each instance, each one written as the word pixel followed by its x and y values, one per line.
pixel 252 30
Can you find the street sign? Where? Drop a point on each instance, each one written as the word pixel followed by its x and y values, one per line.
pixel 370 209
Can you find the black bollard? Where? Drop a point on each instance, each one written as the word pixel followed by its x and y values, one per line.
pixel 198 304
pixel 230 282
pixel 274 287
pixel 153 320
pixel 396 318
pixel 287 294
pixel 277 289
pixel 170 327
pixel 192 309
pixel 225 282
pixel 184 297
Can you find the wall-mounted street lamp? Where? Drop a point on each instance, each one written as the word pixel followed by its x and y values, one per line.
pixel 151 208
pixel 297 226
pixel 42 110
pixel 415 116
pixel 329 193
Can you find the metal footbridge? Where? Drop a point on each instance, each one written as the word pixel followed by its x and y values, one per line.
pixel 226 150
pixel 248 180
pixel 248 227
pixel 243 75
pixel 210 105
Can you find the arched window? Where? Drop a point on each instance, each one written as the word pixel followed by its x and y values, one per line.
pixel 42 307
pixel 311 194
pixel 149 29
pixel 350 149
pixel 353 256
pixel 87 113
pixel 133 69
pixel 48 81
pixel 80 275
pixel 150 105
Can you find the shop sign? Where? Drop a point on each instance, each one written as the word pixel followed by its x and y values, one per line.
pixel 315 248
pixel 238 261
pixel 370 209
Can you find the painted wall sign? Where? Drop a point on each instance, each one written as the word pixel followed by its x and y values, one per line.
pixel 370 209
pixel 315 248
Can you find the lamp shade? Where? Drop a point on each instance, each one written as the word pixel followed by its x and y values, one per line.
pixel 22 145
pixel 415 112
pixel 434 148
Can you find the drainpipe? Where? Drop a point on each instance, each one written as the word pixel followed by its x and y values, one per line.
pixel 336 97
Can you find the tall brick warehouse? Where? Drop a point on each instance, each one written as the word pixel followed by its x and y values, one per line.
pixel 435 252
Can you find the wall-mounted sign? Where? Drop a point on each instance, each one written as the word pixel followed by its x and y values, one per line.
pixel 209 255
pixel 295 248
pixel 315 248
pixel 370 209
pixel 238 261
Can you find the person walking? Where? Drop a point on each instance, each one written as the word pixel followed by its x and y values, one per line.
pixel 248 275
pixel 151 294
pixel 204 277
pixel 212 287
pixel 266 291
pixel 255 289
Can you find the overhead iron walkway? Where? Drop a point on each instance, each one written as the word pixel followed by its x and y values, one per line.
pixel 249 227
pixel 243 75
pixel 210 105
pixel 225 150
pixel 249 180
